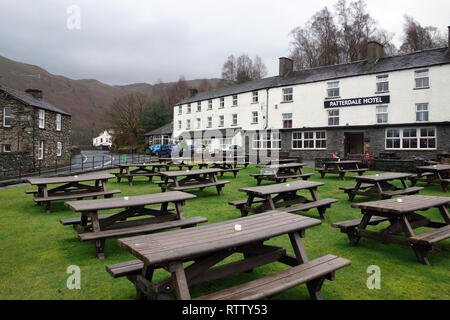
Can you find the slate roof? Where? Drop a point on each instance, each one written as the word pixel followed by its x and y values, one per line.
pixel 33 102
pixel 166 129
pixel 420 59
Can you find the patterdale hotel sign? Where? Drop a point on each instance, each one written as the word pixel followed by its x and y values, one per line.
pixel 357 101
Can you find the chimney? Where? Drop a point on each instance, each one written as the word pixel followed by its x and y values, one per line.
pixel 192 92
pixel 375 51
pixel 35 93
pixel 286 66
pixel 448 43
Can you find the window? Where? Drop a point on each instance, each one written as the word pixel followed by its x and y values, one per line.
pixel 188 108
pixel 41 119
pixel 209 104
pixel 6 148
pixel 161 139
pixel 422 79
pixel 422 112
pixel 235 100
pixel 383 83
pixel 58 122
pixel 180 110
pixel 7 117
pixel 288 95
pixel 222 103
pixel 254 117
pixel 58 149
pixel 221 121
pixel 188 124
pixel 333 89
pixel 209 122
pixel 287 120
pixel 198 124
pixel 411 138
pixel 199 107
pixel 41 150
pixel 267 140
pixel 179 124
pixel 333 117
pixel 234 119
pixel 382 114
pixel 255 96
pixel 309 140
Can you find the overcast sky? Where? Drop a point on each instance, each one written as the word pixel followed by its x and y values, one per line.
pixel 123 42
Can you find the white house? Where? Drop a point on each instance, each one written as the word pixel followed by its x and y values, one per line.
pixel 375 105
pixel 103 140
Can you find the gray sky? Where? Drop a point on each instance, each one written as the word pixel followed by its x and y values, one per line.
pixel 122 42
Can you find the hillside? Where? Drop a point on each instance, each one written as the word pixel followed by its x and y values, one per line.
pixel 85 99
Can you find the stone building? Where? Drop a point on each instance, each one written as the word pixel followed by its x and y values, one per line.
pixel 33 134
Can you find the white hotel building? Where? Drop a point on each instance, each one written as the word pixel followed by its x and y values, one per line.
pixel 381 104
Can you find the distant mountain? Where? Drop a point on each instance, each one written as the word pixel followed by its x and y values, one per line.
pixel 85 99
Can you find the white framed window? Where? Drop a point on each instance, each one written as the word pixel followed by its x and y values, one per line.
pixel 58 149
pixel 58 122
pixel 189 108
pixel 209 104
pixel 287 120
pixel 180 110
pixel 383 83
pixel 234 119
pixel 422 112
pixel 209 124
pixel 333 117
pixel 41 119
pixel 180 123
pixel 41 150
pixel 422 79
pixel 235 100
pixel 288 95
pixel 382 114
pixel 198 124
pixel 254 117
pixel 6 148
pixel 411 138
pixel 7 117
pixel 333 89
pixel 309 140
pixel 255 97
pixel 222 103
pixel 267 140
pixel 221 121
pixel 199 106
pixel 188 124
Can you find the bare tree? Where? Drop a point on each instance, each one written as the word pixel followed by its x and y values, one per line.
pixel 243 67
pixel 229 69
pixel 416 37
pixel 259 70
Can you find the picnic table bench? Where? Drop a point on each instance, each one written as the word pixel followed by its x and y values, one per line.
pixel 380 186
pixel 72 187
pixel 283 197
pixel 210 244
pixel 224 165
pixel 142 170
pixel 403 218
pixel 93 227
pixel 341 168
pixel 439 173
pixel 281 172
pixel 193 179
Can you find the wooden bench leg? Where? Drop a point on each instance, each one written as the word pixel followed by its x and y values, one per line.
pixel 118 179
pixel 444 185
pixel 100 248
pixel 47 207
pixel 219 190
pixel 421 253
pixel 314 287
pixel 342 176
pixel 130 181
pixel 322 212
pixel 322 174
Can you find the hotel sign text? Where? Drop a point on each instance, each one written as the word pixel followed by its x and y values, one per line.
pixel 357 101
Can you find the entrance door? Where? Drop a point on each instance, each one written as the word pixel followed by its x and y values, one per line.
pixel 354 143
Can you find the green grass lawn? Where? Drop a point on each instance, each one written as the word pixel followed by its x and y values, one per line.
pixel 36 249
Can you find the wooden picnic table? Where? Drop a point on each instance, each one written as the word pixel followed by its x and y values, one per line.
pixel 403 218
pixel 283 195
pixel 149 170
pixel 226 166
pixel 341 167
pixel 93 227
pixel 72 187
pixel 380 186
pixel 281 172
pixel 193 179
pixel 175 160
pixel 210 244
pixel 439 173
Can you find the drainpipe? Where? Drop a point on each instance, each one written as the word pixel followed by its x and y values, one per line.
pixel 266 123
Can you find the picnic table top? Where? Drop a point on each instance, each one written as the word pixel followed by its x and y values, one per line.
pixel 407 204
pixel 193 242
pixel 133 201
pixel 189 172
pixel 436 167
pixel 74 178
pixel 145 164
pixel 384 176
pixel 342 161
pixel 176 159
pixel 282 187
pixel 283 166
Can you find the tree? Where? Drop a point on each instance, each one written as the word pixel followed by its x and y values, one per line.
pixel 416 37
pixel 243 68
pixel 155 115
